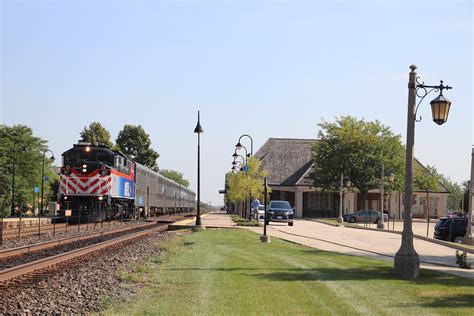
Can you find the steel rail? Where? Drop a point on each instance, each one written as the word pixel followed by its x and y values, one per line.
pixel 63 241
pixel 31 267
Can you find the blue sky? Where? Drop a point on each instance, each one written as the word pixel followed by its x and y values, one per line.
pixel 269 69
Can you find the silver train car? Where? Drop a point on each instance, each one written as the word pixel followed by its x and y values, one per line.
pixel 158 195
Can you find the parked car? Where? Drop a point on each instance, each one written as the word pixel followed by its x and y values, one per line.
pixel 259 213
pixel 451 228
pixel 364 216
pixel 280 211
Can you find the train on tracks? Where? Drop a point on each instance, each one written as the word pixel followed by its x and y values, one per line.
pixel 98 183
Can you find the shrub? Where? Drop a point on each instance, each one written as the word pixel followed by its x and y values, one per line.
pixel 461 260
pixel 244 222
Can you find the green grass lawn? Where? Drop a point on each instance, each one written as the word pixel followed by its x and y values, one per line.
pixel 230 272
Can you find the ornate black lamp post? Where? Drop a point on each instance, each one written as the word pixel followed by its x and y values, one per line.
pixel 198 130
pixel 239 145
pixel 42 179
pixel 234 163
pixel 235 155
pixel 407 261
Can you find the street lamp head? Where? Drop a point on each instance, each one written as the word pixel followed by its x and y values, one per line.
pixel 52 158
pixel 198 129
pixel 235 155
pixel 440 109
pixel 348 183
pixel 234 163
pixel 391 177
pixel 238 146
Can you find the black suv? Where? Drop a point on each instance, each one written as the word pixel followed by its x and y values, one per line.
pixel 451 228
pixel 280 211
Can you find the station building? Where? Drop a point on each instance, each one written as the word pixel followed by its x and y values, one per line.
pixel 289 162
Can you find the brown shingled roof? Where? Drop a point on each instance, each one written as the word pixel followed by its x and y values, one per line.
pixel 288 161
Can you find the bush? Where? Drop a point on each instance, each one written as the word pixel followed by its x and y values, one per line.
pixel 240 221
pixel 461 260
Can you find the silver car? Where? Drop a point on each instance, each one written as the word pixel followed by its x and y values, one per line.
pixel 259 213
pixel 364 216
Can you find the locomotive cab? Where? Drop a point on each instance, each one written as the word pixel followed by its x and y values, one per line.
pixel 96 183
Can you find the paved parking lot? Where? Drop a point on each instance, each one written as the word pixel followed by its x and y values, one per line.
pixel 419 227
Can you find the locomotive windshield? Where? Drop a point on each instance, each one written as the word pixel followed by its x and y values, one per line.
pixel 95 156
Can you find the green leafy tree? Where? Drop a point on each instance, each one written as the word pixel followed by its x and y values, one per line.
pixel 356 148
pixel 465 195
pixel 426 179
pixel 96 133
pixel 19 145
pixel 243 186
pixel 175 176
pixel 135 143
pixel 455 193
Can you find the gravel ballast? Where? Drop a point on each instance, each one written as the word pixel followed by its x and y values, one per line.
pixel 82 287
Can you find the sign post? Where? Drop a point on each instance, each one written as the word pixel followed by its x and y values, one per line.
pixel 265 237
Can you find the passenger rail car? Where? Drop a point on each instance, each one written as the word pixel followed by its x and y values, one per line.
pixel 97 183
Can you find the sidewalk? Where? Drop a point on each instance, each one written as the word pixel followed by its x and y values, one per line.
pixel 209 220
pixel 373 244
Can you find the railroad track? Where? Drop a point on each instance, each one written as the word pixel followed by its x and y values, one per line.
pixel 34 269
pixel 64 241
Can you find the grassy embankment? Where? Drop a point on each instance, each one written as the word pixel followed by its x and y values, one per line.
pixel 229 272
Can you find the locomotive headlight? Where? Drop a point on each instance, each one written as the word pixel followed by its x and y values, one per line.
pixel 84 166
pixel 87 149
pixel 84 170
pixel 65 197
pixel 101 198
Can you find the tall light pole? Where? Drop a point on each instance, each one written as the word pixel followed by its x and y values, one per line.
pixel 391 177
pixel 341 196
pixel 12 210
pixel 469 237
pixel 42 179
pixel 239 145
pixel 235 155
pixel 198 130
pixel 340 219
pixel 407 261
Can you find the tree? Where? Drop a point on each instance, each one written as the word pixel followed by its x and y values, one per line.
pixel 243 186
pixel 455 193
pixel 19 145
pixel 135 143
pixel 175 176
pixel 356 148
pixel 96 133
pixel 426 178
pixel 465 196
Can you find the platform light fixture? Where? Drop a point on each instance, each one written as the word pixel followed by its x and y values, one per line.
pixel 198 130
pixel 407 261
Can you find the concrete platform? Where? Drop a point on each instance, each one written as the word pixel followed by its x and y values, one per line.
pixel 209 220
